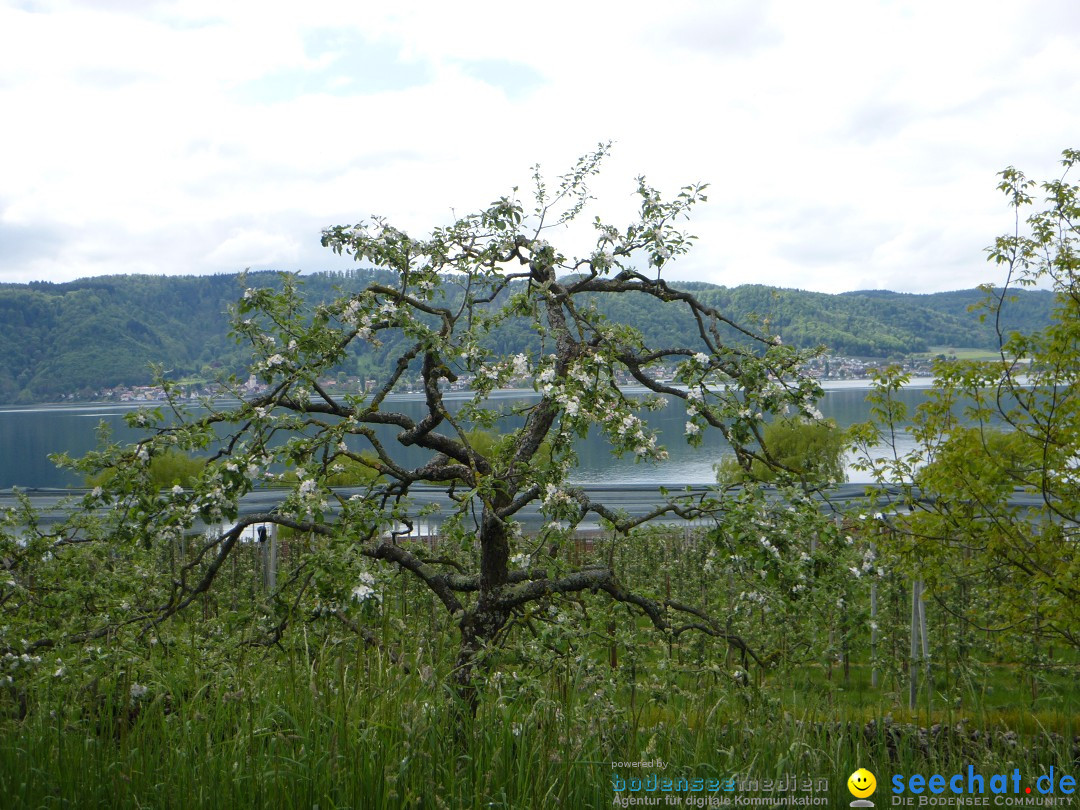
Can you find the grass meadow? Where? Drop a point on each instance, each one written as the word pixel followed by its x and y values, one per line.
pixel 324 718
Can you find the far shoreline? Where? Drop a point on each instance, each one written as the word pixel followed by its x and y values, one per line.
pixel 855 384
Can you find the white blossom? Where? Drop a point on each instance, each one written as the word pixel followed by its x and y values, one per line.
pixel 365 590
pixel 521 365
pixel 351 311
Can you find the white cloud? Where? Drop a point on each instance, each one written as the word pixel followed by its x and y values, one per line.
pixel 849 144
pixel 253 247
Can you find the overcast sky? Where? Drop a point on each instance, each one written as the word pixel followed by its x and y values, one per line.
pixel 849 145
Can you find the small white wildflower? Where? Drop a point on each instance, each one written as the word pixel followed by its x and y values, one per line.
pixel 138 691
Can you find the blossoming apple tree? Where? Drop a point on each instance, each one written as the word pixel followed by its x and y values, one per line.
pixel 451 293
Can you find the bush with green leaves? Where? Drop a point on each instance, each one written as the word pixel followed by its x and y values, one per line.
pixel 993 482
pixel 167 469
pixel 810 451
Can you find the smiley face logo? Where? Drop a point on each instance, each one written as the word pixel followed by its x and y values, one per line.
pixel 862 783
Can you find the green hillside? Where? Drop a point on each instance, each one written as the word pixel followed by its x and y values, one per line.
pixel 81 336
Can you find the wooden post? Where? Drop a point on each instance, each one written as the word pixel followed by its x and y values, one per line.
pixel 913 666
pixel 925 640
pixel 268 556
pixel 271 580
pixel 873 635
pixel 873 620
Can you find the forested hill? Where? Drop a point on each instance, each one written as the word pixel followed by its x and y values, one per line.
pixel 81 336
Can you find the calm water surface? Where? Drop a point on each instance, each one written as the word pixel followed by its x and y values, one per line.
pixel 29 434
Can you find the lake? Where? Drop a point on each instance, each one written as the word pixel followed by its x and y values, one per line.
pixel 29 434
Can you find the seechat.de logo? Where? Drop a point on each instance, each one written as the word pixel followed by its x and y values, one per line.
pixel 862 784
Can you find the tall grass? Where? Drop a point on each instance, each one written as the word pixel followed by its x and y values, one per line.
pixel 190 719
pixel 344 726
